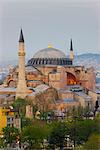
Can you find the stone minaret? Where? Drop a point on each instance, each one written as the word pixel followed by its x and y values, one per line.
pixel 21 86
pixel 71 56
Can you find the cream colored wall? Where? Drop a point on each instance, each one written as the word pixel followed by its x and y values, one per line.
pixel 87 78
pixel 54 84
pixel 80 99
pixel 93 96
pixel 90 77
pixel 58 79
pixel 54 77
pixel 62 106
pixel 63 76
pixel 65 95
pixel 46 69
pixel 29 111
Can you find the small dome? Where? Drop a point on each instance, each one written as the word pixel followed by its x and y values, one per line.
pixel 49 53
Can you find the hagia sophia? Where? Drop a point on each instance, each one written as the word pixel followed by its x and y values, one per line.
pixel 49 71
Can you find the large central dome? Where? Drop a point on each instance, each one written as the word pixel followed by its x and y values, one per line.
pixel 49 53
pixel 49 56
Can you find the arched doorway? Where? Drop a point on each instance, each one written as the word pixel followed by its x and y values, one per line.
pixel 71 79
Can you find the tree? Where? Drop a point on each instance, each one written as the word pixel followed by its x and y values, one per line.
pixel 76 111
pixel 2 143
pixel 26 122
pixel 44 115
pixel 97 123
pixel 35 134
pixel 57 136
pixel 10 134
pixel 20 106
pixel 93 142
pixel 80 130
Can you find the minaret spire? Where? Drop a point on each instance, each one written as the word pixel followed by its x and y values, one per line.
pixel 71 45
pixel 21 39
pixel 71 51
pixel 21 85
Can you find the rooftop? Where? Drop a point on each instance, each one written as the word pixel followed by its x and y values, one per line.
pixel 39 89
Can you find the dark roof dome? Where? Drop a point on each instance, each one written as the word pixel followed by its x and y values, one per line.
pixel 49 52
pixel 49 56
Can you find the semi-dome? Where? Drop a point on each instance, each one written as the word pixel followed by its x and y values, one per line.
pixel 49 53
pixel 49 56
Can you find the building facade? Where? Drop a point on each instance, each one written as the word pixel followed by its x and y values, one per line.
pixel 52 68
pixel 8 117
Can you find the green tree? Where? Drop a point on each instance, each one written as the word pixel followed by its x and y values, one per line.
pixel 26 122
pixel 10 134
pixel 2 143
pixel 20 106
pixel 93 143
pixel 97 123
pixel 76 111
pixel 80 130
pixel 35 134
pixel 57 136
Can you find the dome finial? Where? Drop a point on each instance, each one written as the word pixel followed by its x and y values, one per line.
pixel 50 45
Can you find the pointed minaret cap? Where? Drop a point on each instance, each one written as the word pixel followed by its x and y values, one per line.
pixel 21 39
pixel 71 45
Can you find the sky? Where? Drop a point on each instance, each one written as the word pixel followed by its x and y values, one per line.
pixel 49 21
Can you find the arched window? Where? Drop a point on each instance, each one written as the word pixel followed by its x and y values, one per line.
pixel 71 79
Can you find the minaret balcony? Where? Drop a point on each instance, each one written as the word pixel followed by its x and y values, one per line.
pixel 21 53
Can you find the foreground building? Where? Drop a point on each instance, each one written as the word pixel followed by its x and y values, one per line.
pixel 8 117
